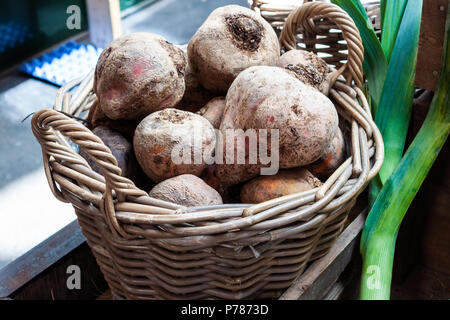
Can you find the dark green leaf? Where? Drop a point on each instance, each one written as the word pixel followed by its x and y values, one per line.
pixel 386 215
pixel 382 10
pixel 393 14
pixel 394 111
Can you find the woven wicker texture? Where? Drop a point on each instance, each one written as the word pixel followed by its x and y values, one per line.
pixel 322 35
pixel 151 249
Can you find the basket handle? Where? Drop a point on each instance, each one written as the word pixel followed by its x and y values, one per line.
pixel 303 17
pixel 49 126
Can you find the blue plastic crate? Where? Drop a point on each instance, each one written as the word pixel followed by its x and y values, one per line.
pixel 70 61
pixel 13 34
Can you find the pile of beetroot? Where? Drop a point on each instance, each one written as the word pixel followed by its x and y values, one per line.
pixel 167 114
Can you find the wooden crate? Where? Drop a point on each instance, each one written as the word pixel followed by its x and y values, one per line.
pixel 431 43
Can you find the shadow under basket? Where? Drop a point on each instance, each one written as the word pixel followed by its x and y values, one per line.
pixel 151 249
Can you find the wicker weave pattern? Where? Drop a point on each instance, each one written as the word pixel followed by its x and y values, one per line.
pixel 326 38
pixel 152 249
pixel 300 21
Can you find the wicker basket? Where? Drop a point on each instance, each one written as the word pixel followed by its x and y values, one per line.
pixel 326 39
pixel 151 249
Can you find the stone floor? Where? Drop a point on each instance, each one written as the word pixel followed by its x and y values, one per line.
pixel 28 211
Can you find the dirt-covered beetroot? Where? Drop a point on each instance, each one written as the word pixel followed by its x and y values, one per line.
pixel 333 157
pixel 208 175
pixel 187 190
pixel 229 193
pixel 308 68
pixel 138 74
pixel 270 98
pixel 172 142
pixel 285 182
pixel 195 96
pixel 121 149
pixel 213 111
pixel 231 39
pixel 97 118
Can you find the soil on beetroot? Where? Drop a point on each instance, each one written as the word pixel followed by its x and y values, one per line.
pixel 247 33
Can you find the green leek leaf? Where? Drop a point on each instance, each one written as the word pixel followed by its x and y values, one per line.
pixel 394 111
pixel 382 225
pixel 382 11
pixel 360 7
pixel 392 17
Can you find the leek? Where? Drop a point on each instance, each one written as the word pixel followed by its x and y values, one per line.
pixel 391 86
pixel 382 11
pixel 383 222
pixel 395 106
pixel 392 17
